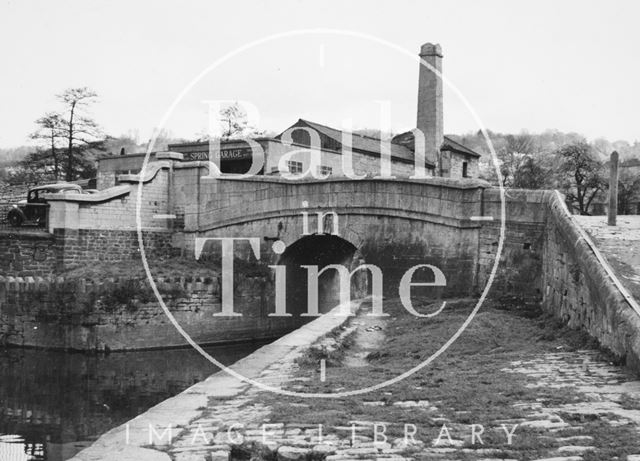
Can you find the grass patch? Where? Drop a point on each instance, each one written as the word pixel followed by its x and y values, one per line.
pixel 468 384
pixel 332 348
pixel 170 267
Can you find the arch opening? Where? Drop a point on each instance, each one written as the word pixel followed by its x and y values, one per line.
pixel 320 250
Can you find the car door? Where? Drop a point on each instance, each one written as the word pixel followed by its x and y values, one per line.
pixel 30 207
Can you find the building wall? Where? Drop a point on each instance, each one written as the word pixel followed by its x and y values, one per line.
pixel 110 167
pixel 457 161
pixel 362 164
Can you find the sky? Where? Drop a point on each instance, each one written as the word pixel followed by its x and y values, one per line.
pixel 520 65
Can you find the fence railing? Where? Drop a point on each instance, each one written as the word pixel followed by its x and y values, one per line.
pixel 24 217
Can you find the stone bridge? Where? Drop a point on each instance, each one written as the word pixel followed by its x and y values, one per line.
pixel 394 224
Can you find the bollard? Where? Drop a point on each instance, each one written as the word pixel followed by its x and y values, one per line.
pixel 613 189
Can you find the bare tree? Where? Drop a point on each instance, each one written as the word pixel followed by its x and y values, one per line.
pixel 522 143
pixel 50 132
pixel 79 130
pixel 515 153
pixel 581 175
pixel 234 120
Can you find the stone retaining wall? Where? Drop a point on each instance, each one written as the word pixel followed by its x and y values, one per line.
pixel 83 247
pixel 546 260
pixel 578 289
pixel 123 314
pixel 40 254
pixel 28 253
pixel 519 274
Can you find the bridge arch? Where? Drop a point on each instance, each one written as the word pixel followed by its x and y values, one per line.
pixel 320 250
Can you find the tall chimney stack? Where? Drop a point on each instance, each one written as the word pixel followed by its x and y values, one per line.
pixel 430 106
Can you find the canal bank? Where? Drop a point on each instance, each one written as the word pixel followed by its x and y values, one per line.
pixel 146 437
pixel 516 385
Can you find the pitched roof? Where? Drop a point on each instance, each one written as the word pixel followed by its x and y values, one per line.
pixel 452 145
pixel 365 144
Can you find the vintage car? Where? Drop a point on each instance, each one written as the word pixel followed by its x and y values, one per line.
pixel 33 210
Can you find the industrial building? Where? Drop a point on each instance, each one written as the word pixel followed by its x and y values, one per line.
pixel 443 156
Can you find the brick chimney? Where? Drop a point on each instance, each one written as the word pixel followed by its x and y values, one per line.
pixel 430 106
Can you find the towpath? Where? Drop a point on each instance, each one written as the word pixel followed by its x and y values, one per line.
pixel 513 386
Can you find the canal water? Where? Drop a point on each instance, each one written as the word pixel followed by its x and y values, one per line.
pixel 53 404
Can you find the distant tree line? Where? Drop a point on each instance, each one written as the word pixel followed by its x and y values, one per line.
pixel 69 140
pixel 556 160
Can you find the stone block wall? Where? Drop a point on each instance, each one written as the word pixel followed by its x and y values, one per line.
pixel 456 166
pixel 519 272
pixel 31 254
pixel 362 164
pixel 394 224
pixel 123 314
pixel 228 200
pixel 578 290
pixel 434 221
pixel 546 259
pixel 82 247
pixel 28 253
pixel 120 212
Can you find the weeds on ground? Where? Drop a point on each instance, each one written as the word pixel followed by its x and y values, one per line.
pixel 467 384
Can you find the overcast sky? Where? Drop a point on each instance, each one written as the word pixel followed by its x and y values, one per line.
pixel 569 65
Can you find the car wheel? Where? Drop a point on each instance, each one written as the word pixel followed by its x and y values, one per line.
pixel 15 219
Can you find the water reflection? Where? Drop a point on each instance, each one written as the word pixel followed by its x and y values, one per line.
pixel 53 404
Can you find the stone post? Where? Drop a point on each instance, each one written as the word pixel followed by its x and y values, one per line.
pixel 613 189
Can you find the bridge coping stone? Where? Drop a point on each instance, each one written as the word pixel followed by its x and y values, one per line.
pixel 468 183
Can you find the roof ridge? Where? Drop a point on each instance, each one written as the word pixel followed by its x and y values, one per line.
pixel 342 131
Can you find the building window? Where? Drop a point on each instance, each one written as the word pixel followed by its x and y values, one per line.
pixel 294 167
pixel 324 170
pixel 465 170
